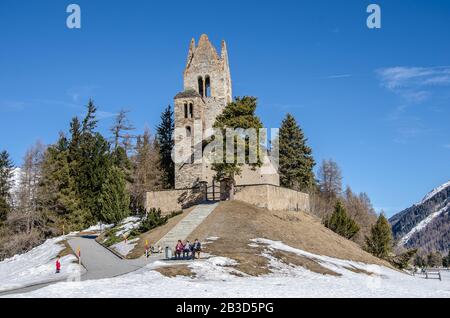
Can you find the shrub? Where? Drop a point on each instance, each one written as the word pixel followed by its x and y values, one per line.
pixel 379 243
pixel 340 223
pixel 152 220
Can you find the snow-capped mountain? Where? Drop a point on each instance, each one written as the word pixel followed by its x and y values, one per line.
pixel 425 225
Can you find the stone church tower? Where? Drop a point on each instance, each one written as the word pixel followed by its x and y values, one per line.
pixel 207 90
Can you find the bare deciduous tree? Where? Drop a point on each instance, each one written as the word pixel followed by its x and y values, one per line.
pixel 330 179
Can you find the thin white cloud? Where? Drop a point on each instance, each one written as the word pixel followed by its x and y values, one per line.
pixel 414 84
pixel 338 76
pixel 105 114
pixel 406 77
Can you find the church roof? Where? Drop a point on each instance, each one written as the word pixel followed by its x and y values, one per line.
pixel 190 93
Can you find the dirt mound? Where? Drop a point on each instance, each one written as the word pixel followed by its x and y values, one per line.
pixel 236 223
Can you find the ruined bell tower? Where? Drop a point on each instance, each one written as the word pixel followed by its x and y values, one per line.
pixel 207 90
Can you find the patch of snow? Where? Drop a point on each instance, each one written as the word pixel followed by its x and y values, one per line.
pixel 421 225
pixel 434 192
pixel 214 278
pixel 127 225
pixel 37 266
pixel 99 227
pixel 125 248
pixel 213 238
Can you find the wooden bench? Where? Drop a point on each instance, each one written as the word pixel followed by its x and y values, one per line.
pixel 433 274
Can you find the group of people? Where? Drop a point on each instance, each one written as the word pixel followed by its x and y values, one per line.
pixel 187 250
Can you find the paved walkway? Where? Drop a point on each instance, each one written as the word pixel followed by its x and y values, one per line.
pixel 186 226
pixel 102 263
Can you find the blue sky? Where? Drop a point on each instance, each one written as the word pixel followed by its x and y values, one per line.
pixel 376 101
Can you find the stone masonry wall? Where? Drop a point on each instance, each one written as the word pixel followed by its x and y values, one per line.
pixel 273 198
pixel 174 200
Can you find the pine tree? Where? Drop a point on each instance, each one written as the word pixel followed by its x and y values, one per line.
pixel 57 189
pixel 89 121
pixel 113 199
pixel 379 243
pixel 164 135
pixel 340 223
pixel 6 174
pixel 296 162
pixel 239 114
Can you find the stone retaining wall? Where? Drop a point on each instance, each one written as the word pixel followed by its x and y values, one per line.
pixel 174 200
pixel 273 198
pixel 266 196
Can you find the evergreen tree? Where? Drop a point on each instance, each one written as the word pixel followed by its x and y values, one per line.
pixel 57 189
pixel 113 200
pixel 90 121
pixel 296 162
pixel 164 135
pixel 239 114
pixel 6 174
pixel 379 243
pixel 340 223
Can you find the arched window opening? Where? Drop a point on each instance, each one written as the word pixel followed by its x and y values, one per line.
pixel 188 132
pixel 200 86
pixel 185 110
pixel 207 86
pixel 191 110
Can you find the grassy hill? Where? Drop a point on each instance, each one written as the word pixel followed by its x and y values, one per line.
pixel 234 224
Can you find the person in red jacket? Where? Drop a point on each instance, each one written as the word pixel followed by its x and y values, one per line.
pixel 179 249
pixel 58 265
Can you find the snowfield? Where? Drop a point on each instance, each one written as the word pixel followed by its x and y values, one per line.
pixel 434 192
pixel 215 278
pixel 37 266
pixel 423 224
pixel 124 248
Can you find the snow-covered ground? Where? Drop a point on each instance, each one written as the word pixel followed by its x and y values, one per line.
pixel 37 266
pixel 127 225
pixel 124 248
pixel 215 278
pixel 99 227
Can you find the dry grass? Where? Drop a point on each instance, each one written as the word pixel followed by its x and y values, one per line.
pixel 67 249
pixel 297 260
pixel 175 270
pixel 236 223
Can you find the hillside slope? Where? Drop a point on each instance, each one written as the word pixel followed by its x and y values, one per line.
pixel 425 225
pixel 235 224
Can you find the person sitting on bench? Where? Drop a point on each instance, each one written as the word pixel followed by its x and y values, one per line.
pixel 179 249
pixel 187 250
pixel 196 249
